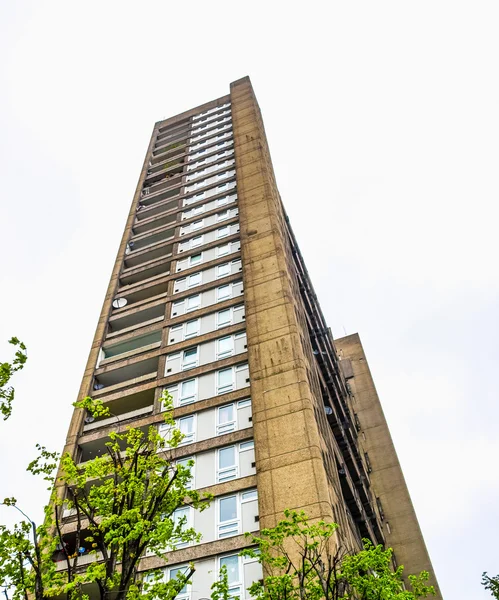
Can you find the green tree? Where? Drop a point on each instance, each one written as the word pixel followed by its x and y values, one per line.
pixel 302 561
pixel 491 584
pixel 7 370
pixel 120 505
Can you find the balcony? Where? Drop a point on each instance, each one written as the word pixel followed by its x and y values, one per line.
pixel 132 320
pixel 146 271
pixel 97 447
pixel 150 224
pixel 155 194
pixel 157 208
pixel 144 240
pixel 170 168
pixel 125 375
pixel 137 297
pixel 156 250
pixel 130 347
pixel 125 407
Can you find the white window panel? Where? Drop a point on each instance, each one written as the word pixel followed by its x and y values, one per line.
pixel 193 302
pixel 222 250
pixel 226 419
pixel 187 426
pixel 172 363
pixel 224 318
pixel 225 347
pixel 190 358
pixel 223 215
pixel 224 292
pixel 223 231
pixel 225 380
pixel 246 446
pixel 182 517
pixel 195 259
pixel 196 241
pixel 191 328
pixel 228 516
pixel 185 592
pixel 194 279
pixel 190 485
pixel 223 270
pixel 234 569
pixel 188 391
pixel 195 225
pixel 227 464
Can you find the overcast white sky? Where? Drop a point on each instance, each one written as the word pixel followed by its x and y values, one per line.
pixel 383 123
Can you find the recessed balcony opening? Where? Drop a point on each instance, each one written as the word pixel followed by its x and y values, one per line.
pixel 163 164
pixel 156 209
pixel 131 406
pixel 146 240
pixel 149 293
pixel 172 167
pixel 134 320
pixel 160 221
pixel 164 132
pixel 152 196
pixel 136 258
pixel 146 272
pixel 98 447
pixel 135 345
pixel 126 374
pixel 162 153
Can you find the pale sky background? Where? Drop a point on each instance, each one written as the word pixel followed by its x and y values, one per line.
pixel 383 122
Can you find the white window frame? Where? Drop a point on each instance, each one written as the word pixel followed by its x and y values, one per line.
pixel 221 232
pixel 196 225
pixel 191 364
pixel 199 237
pixel 191 485
pixel 189 279
pixel 231 472
pixel 183 400
pixel 218 269
pixel 195 264
pixel 224 389
pixel 220 324
pixel 189 438
pixel 223 427
pixel 225 353
pixel 188 336
pixel 181 595
pixel 230 527
pixel 188 512
pixel 190 309
pixel 223 250
pixel 219 299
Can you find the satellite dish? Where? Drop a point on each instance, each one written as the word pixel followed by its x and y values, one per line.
pixel 119 302
pixel 328 410
pixel 89 419
pixel 98 386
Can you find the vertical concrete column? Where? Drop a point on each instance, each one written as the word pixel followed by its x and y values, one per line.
pixel 290 470
pixel 387 480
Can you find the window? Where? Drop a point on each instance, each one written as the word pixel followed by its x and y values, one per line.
pixel 193 302
pixel 223 215
pixel 222 201
pixel 244 446
pixel 225 381
pixel 193 280
pixel 190 358
pixel 197 224
pixel 185 592
pixel 231 563
pixel 187 427
pixel 191 329
pixel 225 347
pixel 247 496
pixel 222 186
pixel 223 250
pixel 224 318
pixel 223 270
pixel 181 522
pixel 223 231
pixel 224 292
pixel 196 241
pixel 226 419
pixel 184 463
pixel 188 391
pixel 228 522
pixel 195 259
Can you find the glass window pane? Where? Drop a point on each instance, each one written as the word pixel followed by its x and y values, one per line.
pixel 175 572
pixel 223 250
pixel 226 457
pixel 223 232
pixel 225 346
pixel 224 291
pixel 228 509
pixel 194 279
pixel 186 425
pixel 226 413
pixel 193 302
pixel 232 564
pixel 191 328
pixel 197 241
pixel 223 270
pixel 194 259
pixel 188 388
pixel 224 377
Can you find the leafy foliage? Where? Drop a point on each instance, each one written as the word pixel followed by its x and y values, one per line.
pixel 7 370
pixel 302 561
pixel 120 505
pixel 491 584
